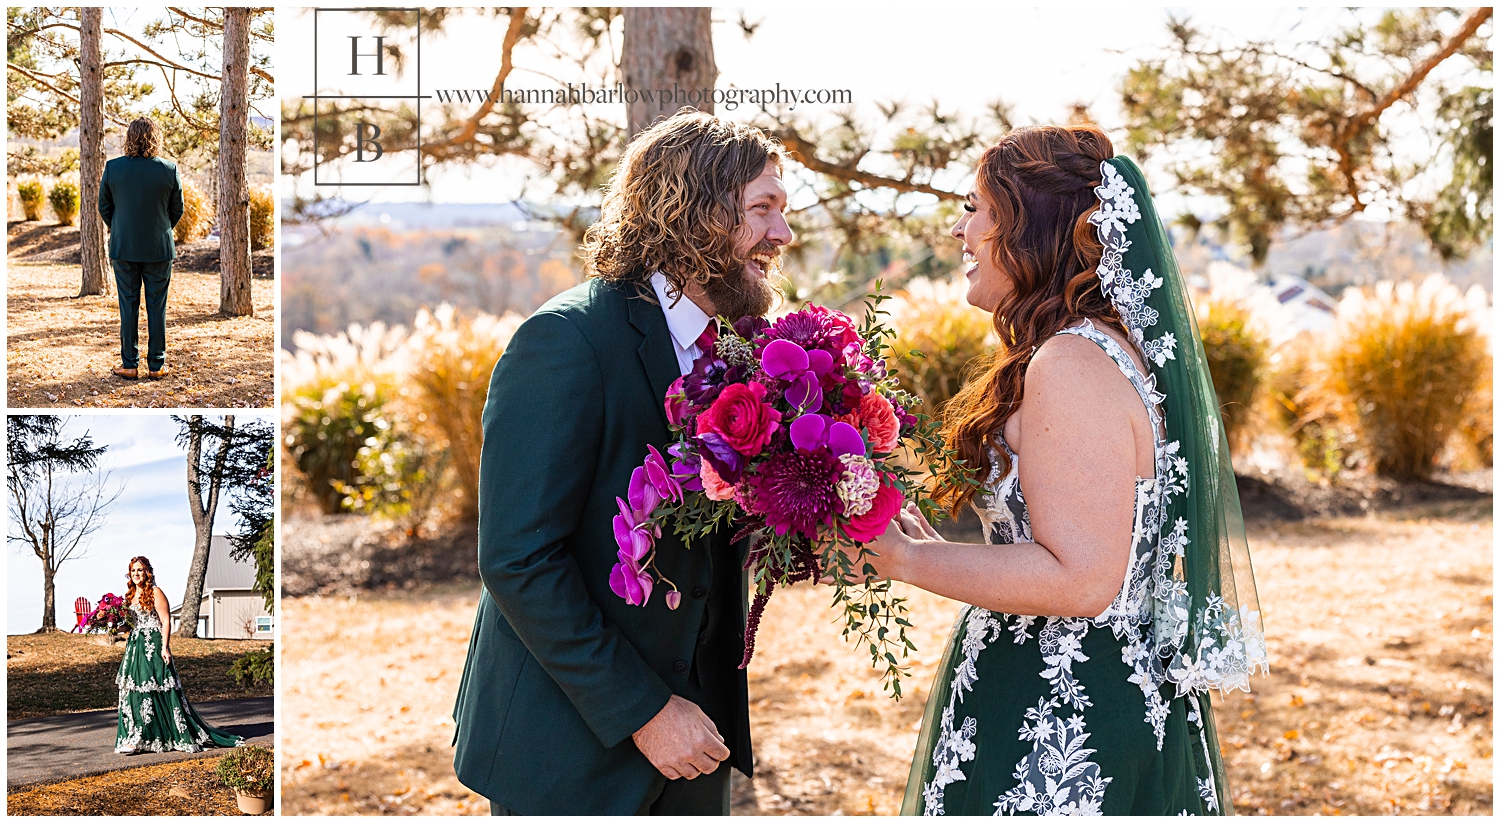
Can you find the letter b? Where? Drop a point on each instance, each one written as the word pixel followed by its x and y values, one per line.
pixel 360 141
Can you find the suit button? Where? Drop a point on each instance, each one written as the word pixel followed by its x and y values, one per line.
pixel 680 667
pixel 699 593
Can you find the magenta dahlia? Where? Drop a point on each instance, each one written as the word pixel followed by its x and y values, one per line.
pixel 798 491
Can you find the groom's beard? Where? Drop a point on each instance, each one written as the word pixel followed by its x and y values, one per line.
pixel 737 295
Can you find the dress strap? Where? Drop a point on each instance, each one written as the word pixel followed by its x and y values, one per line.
pixel 1145 384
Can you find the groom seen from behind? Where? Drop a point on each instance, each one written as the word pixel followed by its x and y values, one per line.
pixel 572 700
pixel 140 199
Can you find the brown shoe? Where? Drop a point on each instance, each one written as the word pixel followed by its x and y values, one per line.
pixel 128 374
pixel 160 373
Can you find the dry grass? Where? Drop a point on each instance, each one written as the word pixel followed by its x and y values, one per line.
pixel 1380 699
pixel 58 673
pixel 186 787
pixel 61 347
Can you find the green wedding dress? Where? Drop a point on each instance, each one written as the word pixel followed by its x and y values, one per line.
pixel 1111 714
pixel 155 715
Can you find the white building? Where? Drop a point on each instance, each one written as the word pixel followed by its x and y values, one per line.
pixel 231 608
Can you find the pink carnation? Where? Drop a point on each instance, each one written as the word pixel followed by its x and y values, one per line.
pixel 714 485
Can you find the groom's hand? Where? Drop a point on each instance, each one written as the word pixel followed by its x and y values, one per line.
pixel 680 741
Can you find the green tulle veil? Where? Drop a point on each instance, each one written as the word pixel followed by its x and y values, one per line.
pixel 1207 627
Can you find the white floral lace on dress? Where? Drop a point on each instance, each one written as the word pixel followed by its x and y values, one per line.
pixel 1057 777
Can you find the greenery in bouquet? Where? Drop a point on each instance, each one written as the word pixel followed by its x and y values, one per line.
pixel 787 432
pixel 110 616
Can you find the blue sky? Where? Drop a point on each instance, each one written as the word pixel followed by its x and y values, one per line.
pixel 151 517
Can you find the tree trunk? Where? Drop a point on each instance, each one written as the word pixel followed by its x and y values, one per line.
pixel 204 507
pixel 234 197
pixel 96 278
pixel 49 599
pixel 669 54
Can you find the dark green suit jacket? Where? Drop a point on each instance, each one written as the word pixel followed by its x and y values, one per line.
pixel 560 670
pixel 140 199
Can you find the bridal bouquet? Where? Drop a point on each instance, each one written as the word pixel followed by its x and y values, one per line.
pixel 110 616
pixel 786 432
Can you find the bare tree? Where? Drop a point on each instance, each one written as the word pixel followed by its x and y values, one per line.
pixel 234 197
pixel 53 517
pixel 91 154
pixel 670 52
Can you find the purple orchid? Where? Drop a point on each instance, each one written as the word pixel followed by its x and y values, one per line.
pixel 785 360
pixel 660 477
pixel 629 581
pixel 811 431
pixel 634 533
pixel 642 495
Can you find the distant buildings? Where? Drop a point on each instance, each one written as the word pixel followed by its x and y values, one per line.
pixel 231 608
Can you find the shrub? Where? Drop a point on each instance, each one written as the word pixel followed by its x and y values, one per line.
pixel 31 194
pixel 1237 353
pixel 255 667
pixel 938 335
pixel 262 218
pixel 1478 423
pixel 336 393
pixel 1406 361
pixel 249 769
pixel 399 474
pixel 197 215
pixel 64 198
pixel 1309 410
pixel 450 360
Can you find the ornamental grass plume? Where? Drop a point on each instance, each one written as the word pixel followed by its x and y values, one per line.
pixel 1234 315
pixel 197 215
pixel 450 358
pixel 336 392
pixel 938 334
pixel 1407 358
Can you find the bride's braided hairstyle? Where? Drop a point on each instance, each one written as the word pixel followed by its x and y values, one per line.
pixel 147 588
pixel 1038 184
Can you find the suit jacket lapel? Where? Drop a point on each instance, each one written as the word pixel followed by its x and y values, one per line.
pixel 656 351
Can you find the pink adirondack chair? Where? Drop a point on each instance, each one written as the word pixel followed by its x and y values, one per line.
pixel 82 609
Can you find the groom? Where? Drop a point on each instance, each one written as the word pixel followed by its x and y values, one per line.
pixel 140 199
pixel 572 701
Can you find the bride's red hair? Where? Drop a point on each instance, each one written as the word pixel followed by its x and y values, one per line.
pixel 147 587
pixel 1038 184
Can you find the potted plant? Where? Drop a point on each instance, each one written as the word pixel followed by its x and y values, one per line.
pixel 110 618
pixel 251 772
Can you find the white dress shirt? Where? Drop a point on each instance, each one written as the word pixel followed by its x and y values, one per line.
pixel 686 321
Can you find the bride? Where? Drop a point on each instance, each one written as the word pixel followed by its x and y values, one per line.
pixel 1077 682
pixel 155 715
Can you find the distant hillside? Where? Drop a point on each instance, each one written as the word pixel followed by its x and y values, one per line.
pixel 369 272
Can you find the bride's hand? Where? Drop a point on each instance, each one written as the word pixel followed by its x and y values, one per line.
pixel 891 551
pixel 166 655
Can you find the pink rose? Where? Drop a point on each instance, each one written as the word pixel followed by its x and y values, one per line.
pixel 713 485
pixel 742 417
pixel 880 420
pixel 883 509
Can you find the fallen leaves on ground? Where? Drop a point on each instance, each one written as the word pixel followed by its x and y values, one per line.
pixel 60 672
pixel 61 348
pixel 1379 630
pixel 186 787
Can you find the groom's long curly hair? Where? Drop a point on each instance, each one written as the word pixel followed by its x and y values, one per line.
pixel 676 200
pixel 143 138
pixel 1038 184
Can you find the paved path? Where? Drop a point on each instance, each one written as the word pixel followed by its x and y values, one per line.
pixel 65 746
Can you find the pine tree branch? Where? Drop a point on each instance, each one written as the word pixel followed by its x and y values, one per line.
pixel 1357 124
pixel 441 150
pixel 804 152
pixel 54 89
